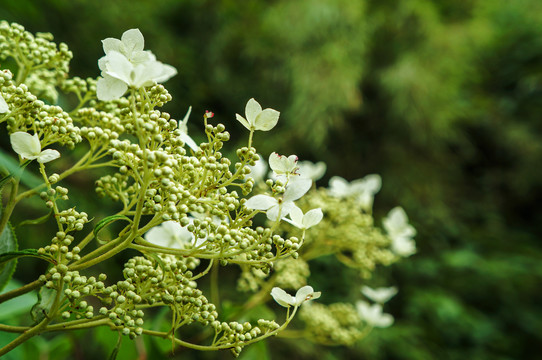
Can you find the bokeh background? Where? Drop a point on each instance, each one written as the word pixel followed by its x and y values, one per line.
pixel 443 98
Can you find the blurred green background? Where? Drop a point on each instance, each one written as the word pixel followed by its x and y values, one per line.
pixel 442 98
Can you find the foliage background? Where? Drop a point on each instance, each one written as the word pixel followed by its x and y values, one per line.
pixel 442 98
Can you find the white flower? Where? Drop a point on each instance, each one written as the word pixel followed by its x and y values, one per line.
pixel 306 293
pixel 126 64
pixel 184 131
pixel 131 45
pixel 379 295
pixel 372 314
pixel 29 147
pixel 281 164
pixel 311 170
pixel 400 232
pixel 172 235
pixel 364 189
pixel 305 221
pixel 257 171
pixel 258 119
pixel 4 108
pixel 294 190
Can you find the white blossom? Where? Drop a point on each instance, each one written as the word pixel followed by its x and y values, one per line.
pixel 29 147
pixel 400 231
pixel 4 108
pixel 258 119
pixel 363 189
pixel 282 164
pixel 305 221
pixel 306 293
pixel 126 64
pixel 272 206
pixel 373 315
pixel 379 295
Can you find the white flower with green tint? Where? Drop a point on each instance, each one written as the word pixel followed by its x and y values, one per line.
pixel 379 295
pixel 310 170
pixel 306 293
pixel 272 206
pixel 29 147
pixel 373 315
pixel 172 235
pixel 258 119
pixel 127 65
pixel 282 164
pixel 400 231
pixel 305 221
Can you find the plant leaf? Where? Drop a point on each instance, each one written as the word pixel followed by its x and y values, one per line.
pixel 46 298
pixel 8 243
pixel 37 221
pixel 106 221
pixel 12 255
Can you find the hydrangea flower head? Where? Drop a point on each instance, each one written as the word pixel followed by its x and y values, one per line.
pixel 29 147
pixel 258 119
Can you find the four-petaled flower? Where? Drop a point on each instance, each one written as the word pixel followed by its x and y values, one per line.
pixel 282 165
pixel 258 119
pixel 285 204
pixel 373 315
pixel 306 293
pixel 126 64
pixel 305 221
pixel 400 232
pixel 364 189
pixel 379 295
pixel 29 147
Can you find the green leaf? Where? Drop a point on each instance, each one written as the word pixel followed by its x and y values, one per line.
pixel 10 310
pixel 8 244
pixel 37 221
pixel 46 298
pixel 8 256
pixel 108 220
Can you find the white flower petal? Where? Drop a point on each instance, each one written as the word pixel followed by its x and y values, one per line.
pixel 403 246
pixel 26 145
pixel 112 44
pixel 296 189
pixel 312 218
pixel 118 66
pixel 109 88
pixel 297 217
pixel 189 141
pixel 266 120
pixel 282 297
pixel 133 41
pixel 261 202
pixel 312 171
pixel 243 121
pixel 4 108
pixel 339 187
pixel 48 155
pixel 252 109
pixel 166 72
pixel 379 295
